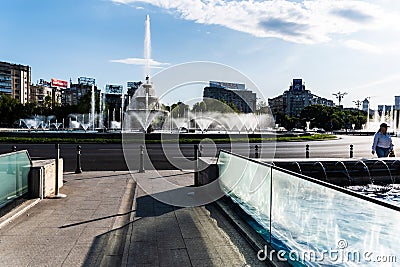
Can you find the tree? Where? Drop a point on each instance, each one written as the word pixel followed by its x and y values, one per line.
pixel 85 102
pixel 332 118
pixel 8 110
pixel 213 105
pixel 47 103
pixel 179 109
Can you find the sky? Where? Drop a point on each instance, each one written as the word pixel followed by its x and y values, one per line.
pixel 333 45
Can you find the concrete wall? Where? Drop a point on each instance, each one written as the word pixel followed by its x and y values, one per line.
pixel 42 181
pixel 208 170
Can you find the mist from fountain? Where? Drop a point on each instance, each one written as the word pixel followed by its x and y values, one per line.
pixel 147 47
pixel 389 117
pixel 92 109
pixel 144 108
pixel 36 122
pixel 82 121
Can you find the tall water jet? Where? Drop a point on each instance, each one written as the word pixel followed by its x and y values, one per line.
pixel 144 108
pixel 147 47
pixel 92 106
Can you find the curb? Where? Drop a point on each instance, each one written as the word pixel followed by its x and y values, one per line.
pixel 249 234
pixel 18 211
pixel 125 255
pixel 116 243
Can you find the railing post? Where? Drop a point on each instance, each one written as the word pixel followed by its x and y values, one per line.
pixel 256 155
pixel 351 151
pixel 307 151
pixel 141 159
pixel 57 147
pixel 10 168
pixel 17 177
pixel 196 165
pixel 78 160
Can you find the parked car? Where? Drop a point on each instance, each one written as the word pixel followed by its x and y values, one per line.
pixel 317 130
pixel 297 130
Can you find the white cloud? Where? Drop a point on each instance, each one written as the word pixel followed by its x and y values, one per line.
pixel 362 46
pixel 307 21
pixel 140 61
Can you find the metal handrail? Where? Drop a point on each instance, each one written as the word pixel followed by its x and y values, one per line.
pixel 319 182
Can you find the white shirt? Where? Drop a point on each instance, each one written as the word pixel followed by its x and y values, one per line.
pixel 382 140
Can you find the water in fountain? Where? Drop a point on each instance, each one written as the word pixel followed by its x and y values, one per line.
pixel 389 117
pixel 210 121
pixel 144 107
pixel 81 121
pixel 36 122
pixel 92 109
pixel 147 47
pixel 56 125
pixel 180 123
pixel 204 120
pixel 308 126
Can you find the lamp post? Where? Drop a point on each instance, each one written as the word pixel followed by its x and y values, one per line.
pixel 339 95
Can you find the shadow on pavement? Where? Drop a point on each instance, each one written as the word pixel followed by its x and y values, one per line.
pixel 161 234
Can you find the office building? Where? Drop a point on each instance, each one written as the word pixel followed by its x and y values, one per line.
pixel 43 89
pixel 232 93
pixel 15 81
pixel 294 100
pixel 365 105
pixel 73 94
pixel 397 102
pixel 113 96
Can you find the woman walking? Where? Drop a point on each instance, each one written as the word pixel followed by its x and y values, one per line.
pixel 382 144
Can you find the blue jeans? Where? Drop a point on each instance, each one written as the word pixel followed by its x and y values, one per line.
pixel 382 152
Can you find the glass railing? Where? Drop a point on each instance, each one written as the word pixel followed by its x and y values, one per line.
pixel 14 172
pixel 312 223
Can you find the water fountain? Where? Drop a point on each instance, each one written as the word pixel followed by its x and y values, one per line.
pixel 144 107
pixel 308 126
pixel 389 117
pixel 38 122
pixel 56 125
pixel 81 122
pixel 92 109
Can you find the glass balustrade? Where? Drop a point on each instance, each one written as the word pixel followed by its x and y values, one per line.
pixel 312 223
pixel 14 172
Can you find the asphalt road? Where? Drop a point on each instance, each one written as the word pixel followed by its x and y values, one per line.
pixel 98 157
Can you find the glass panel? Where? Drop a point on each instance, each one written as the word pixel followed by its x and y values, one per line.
pixel 313 225
pixel 309 218
pixel 14 172
pixel 248 184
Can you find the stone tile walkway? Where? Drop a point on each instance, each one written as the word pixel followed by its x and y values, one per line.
pixel 164 235
pixel 73 231
pixel 108 220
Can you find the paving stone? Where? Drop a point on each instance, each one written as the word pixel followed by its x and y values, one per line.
pixel 62 232
pixel 75 231
pixel 173 257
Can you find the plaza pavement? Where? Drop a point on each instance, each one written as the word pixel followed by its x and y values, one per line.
pixel 109 220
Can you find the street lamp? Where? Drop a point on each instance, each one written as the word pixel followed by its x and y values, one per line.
pixel 339 96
